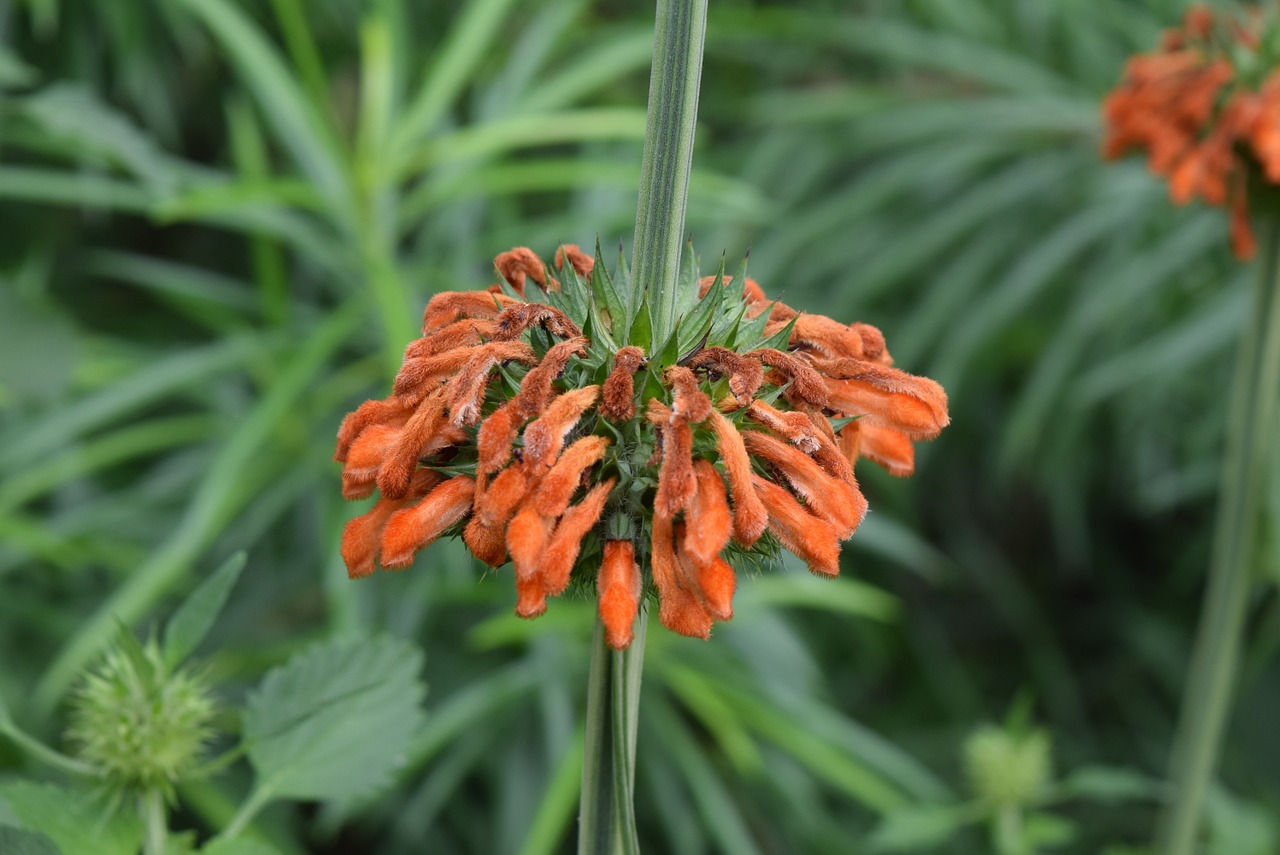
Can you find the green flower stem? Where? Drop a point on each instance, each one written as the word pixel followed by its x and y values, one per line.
pixel 679 32
pixel 1216 659
pixel 606 818
pixel 156 820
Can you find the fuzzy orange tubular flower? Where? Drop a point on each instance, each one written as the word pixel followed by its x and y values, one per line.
pixel 618 588
pixel 509 425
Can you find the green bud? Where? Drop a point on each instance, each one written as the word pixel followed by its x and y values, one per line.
pixel 1006 769
pixel 140 725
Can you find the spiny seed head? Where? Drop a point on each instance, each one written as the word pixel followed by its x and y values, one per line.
pixel 1005 769
pixel 140 725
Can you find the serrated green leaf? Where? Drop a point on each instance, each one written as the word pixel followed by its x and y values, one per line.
pixel 687 280
pixel 642 328
pixel 17 841
pixel 780 339
pixel 334 721
pixel 599 329
pixel 195 617
pixel 77 821
pixel 751 331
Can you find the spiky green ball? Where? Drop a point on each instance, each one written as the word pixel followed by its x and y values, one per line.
pixel 138 723
pixel 1005 769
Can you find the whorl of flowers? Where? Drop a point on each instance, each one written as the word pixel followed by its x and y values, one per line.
pixel 540 419
pixel 1206 108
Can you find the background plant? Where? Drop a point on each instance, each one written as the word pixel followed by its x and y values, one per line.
pixel 218 214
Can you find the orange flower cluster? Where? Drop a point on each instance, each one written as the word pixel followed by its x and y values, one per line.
pixel 554 451
pixel 1206 108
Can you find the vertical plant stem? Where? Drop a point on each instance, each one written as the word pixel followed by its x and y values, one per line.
pixel 606 818
pixel 668 153
pixel 1216 659
pixel 157 823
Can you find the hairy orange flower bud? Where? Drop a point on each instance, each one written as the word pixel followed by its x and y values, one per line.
pixel 465 333
pixel 796 427
pixel 362 535
pixel 619 388
pixel 364 460
pixel 688 400
pixel 562 480
pixel 917 406
pixel 391 411
pixel 745 375
pixel 517 265
pixel 806 385
pixel 812 538
pixel 515 320
pixel 545 437
pixel 582 263
pixel 410 529
pixel 710 522
pixel 713 583
pixel 676 481
pixel 566 541
pixel 466 390
pixel 448 307
pixel 618 588
pixel 415 438
pixel 749 515
pixel 421 376
pixel 839 502
pixel 527 535
pixel 678 606
pixel 485 534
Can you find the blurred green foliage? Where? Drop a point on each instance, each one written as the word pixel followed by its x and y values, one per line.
pixel 221 219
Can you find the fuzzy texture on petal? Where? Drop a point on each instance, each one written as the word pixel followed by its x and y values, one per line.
pixel 618 590
pixel 417 435
pixel 749 515
pixel 420 376
pixel 678 607
pixel 804 385
pixel 917 406
pixel 689 402
pixel 566 541
pixel 563 479
pixel 545 437
pixel 390 411
pixel 449 307
pixel 527 539
pixel 518 265
pixel 410 529
pixel 795 427
pixel 710 522
pixel 712 583
pixel 745 375
pixel 514 321
pixel 466 389
pixel 676 481
pixel 890 448
pixel 364 460
pixel 362 535
pixel 839 502
pixel 582 263
pixel 811 538
pixel 465 333
pixel 619 393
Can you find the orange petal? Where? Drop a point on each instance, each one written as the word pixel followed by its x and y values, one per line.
pixel 710 522
pixel 514 321
pixel 618 587
pixel 745 375
pixel 812 538
pixel 517 265
pixel 676 481
pixel 689 401
pixel 527 539
pixel 804 384
pixel 563 479
pixel 566 541
pixel 582 263
pixel 712 583
pixel 464 333
pixel 390 411
pixel 418 435
pixel 917 406
pixel 545 437
pixel 678 607
pixel 619 388
pixel 410 529
pixel 466 390
pixel 890 448
pixel 838 501
pixel 749 515
pixel 362 535
pixel 449 307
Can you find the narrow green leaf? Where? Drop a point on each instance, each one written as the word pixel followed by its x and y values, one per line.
pixel 195 617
